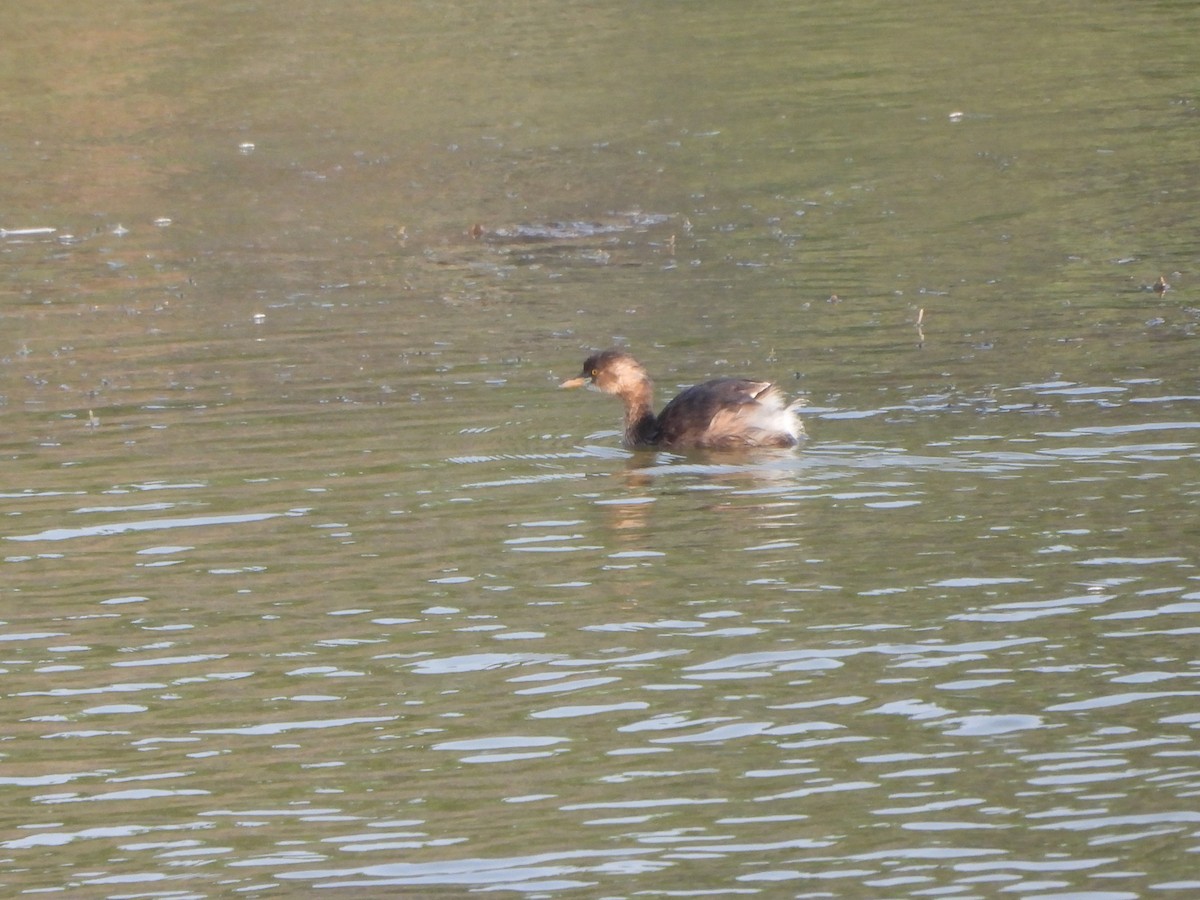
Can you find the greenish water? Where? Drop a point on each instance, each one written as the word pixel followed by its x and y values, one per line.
pixel 313 579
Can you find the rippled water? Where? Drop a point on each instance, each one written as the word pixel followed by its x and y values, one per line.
pixel 312 579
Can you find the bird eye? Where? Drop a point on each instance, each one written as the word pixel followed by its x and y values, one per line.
pixel 595 372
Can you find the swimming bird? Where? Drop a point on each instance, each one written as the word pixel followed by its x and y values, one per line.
pixel 722 414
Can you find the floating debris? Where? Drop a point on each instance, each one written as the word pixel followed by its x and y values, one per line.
pixel 1159 286
pixel 577 230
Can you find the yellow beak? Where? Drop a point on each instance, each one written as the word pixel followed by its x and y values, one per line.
pixel 574 382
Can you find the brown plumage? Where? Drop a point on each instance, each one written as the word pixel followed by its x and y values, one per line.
pixel 723 414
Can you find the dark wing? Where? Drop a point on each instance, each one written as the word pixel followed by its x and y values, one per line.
pixel 713 414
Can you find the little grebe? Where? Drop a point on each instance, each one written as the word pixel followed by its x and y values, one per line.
pixel 723 414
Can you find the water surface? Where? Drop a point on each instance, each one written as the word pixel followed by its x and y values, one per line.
pixel 312 579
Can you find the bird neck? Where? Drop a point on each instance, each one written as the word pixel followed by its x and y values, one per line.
pixel 641 424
